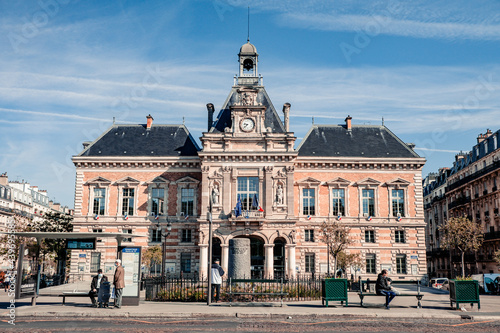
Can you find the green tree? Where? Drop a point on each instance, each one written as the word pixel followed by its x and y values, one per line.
pixel 462 234
pixel 55 222
pixel 152 256
pixel 336 237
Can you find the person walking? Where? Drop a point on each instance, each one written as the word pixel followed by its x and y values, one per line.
pixel 383 288
pixel 119 282
pixel 217 274
pixel 6 282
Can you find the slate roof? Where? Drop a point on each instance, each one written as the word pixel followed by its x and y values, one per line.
pixel 136 140
pixel 271 120
pixel 360 141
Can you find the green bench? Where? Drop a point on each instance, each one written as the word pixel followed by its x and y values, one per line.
pixel 418 294
pixel 250 290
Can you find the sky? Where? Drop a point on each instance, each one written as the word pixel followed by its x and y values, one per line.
pixel 430 69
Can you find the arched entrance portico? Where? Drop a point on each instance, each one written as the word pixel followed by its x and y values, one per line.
pixel 257 258
pixel 279 258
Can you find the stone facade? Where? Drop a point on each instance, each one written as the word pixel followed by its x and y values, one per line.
pixel 469 188
pixel 258 186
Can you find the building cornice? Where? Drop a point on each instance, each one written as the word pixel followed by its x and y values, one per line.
pixel 345 163
pixel 136 162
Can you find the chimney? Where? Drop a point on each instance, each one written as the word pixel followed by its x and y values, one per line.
pixel 410 145
pixel 210 109
pixel 348 123
pixel 286 112
pixel 56 206
pixel 4 180
pixel 149 123
pixel 86 144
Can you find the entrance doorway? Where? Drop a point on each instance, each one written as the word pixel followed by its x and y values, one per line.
pixel 279 258
pixel 216 250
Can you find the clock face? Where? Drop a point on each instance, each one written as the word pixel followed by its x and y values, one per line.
pixel 247 124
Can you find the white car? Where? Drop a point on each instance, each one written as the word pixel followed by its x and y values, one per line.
pixel 438 282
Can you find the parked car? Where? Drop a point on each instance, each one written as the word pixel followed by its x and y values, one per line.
pixel 487 284
pixel 446 285
pixel 438 282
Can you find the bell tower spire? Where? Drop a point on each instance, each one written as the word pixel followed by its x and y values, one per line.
pixel 248 59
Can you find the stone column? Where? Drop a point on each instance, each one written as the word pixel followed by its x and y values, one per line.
pixel 269 265
pixel 289 191
pixel 226 190
pixel 268 200
pixel 225 257
pixel 203 260
pixel 292 273
pixel 239 258
pixel 205 192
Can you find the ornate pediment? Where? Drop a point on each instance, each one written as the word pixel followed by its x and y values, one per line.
pixel 129 181
pixel 398 182
pixel 368 182
pixel 309 181
pixel 247 97
pixel 338 182
pixel 158 181
pixel 98 181
pixel 187 180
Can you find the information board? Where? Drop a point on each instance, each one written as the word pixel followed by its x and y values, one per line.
pixel 81 244
pixel 131 262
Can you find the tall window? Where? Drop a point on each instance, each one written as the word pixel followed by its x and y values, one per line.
pixel 157 195
pixel 308 201
pixel 368 202
pixel 99 201
pixel 128 201
pixel 369 236
pixel 398 203
pixel 156 235
pixel 338 196
pixel 186 236
pixel 370 264
pixel 186 262
pixel 309 262
pixel 248 188
pixel 187 201
pixel 95 261
pixel 401 263
pixel 309 235
pixel 399 236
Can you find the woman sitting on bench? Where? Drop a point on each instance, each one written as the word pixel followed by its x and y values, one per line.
pixel 383 287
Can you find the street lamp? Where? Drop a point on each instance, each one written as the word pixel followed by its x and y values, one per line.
pixel 163 244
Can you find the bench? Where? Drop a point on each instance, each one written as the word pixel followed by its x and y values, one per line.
pixel 73 294
pixel 253 284
pixel 418 295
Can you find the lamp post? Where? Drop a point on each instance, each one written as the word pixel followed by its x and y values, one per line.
pixel 163 245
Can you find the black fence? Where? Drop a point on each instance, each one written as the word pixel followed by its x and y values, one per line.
pixel 196 290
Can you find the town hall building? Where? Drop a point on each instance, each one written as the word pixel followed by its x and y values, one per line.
pixel 139 179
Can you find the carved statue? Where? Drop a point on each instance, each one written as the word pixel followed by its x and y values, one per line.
pixel 279 195
pixel 215 195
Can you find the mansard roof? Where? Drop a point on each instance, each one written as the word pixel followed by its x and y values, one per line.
pixel 271 120
pixel 359 141
pixel 136 140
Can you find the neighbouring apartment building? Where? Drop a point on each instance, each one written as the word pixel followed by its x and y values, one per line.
pixel 470 188
pixel 25 203
pixel 138 178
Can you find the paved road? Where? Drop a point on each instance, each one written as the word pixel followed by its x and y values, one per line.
pixel 289 325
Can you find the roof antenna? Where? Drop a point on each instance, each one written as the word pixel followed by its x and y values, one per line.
pixel 183 121
pixel 113 120
pixel 248 31
pixel 313 120
pixel 382 121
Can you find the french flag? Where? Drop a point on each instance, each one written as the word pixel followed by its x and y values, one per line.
pixel 255 203
pixel 126 217
pixel 398 218
pixel 339 218
pixel 309 217
pixel 187 216
pixel 156 217
pixel 96 217
pixel 369 218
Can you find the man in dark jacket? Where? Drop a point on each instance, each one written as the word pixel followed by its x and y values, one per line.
pixel 95 285
pixel 383 288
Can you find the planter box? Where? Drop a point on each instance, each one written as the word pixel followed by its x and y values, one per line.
pixel 334 290
pixel 464 292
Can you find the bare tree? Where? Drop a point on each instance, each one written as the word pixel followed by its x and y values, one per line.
pixel 336 237
pixel 349 260
pixel 462 234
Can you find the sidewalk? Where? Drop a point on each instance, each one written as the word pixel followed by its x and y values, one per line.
pixel 435 305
